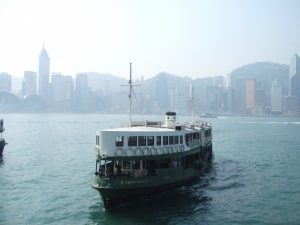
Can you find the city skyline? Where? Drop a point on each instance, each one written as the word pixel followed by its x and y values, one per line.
pixel 201 38
pixel 262 88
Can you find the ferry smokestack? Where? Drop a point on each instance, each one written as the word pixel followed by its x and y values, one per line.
pixel 170 119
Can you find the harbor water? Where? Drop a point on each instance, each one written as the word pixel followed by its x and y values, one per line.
pixel 50 160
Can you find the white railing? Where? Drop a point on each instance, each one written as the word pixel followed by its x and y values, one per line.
pixel 148 151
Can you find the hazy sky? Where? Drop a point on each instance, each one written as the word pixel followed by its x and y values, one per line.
pixel 194 38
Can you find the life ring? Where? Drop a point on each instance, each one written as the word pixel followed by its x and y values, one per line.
pixel 146 151
pixel 165 150
pixel 181 148
pixel 193 143
pixel 153 151
pixel 170 149
pixel 176 149
pixel 137 151
pixel 119 152
pixel 160 150
pixel 129 152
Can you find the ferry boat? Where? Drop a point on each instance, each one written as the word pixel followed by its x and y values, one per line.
pixel 144 157
pixel 2 140
pixel 208 115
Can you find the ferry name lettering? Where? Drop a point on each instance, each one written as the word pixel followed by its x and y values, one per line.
pixel 127 182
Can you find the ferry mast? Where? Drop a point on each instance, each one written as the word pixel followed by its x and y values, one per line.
pixel 130 97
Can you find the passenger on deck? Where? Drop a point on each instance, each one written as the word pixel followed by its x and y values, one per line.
pixel 118 170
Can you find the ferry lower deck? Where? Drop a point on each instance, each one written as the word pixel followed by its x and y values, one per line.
pixel 120 180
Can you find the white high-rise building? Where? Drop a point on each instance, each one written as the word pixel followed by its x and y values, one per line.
pixel 82 92
pixel 181 98
pixel 62 87
pixel 5 82
pixel 276 97
pixel 29 83
pixel 44 72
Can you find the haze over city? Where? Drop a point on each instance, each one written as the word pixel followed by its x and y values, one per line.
pixel 194 38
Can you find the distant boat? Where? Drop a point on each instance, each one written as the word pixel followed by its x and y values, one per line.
pixel 208 115
pixel 149 156
pixel 2 140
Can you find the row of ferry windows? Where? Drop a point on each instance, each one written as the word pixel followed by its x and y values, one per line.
pixel 149 140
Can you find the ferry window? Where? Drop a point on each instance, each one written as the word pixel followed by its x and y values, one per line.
pixel 181 139
pixel 194 136
pixel 191 136
pixel 132 141
pixel 165 140
pixel 198 136
pixel 176 140
pixel 150 140
pixel 187 139
pixel 142 141
pixel 171 140
pixel 158 140
pixel 136 164
pixel 206 133
pixel 119 141
pixel 126 164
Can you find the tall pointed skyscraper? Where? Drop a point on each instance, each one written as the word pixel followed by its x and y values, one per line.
pixel 44 72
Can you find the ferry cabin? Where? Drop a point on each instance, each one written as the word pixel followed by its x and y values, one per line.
pixel 140 151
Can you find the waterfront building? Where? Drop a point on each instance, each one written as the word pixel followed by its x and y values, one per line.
pixel 276 98
pixel 294 85
pixel 227 100
pixel 5 82
pixel 200 96
pixel 161 92
pixel 290 105
pixel 239 91
pixel 62 87
pixel 294 76
pixel 250 94
pixel 29 83
pixel 260 98
pixel 181 98
pixel 44 73
pixel 214 97
pixel 82 93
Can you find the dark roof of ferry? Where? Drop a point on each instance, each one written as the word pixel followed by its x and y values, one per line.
pixel 170 113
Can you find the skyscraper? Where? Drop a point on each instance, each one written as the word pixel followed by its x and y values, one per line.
pixel 29 83
pixel 44 72
pixel 238 84
pixel 295 76
pixel 295 79
pixel 250 94
pixel 161 91
pixel 62 87
pixel 276 98
pixel 5 82
pixel 82 93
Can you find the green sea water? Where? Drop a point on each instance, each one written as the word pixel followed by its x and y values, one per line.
pixel 50 159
